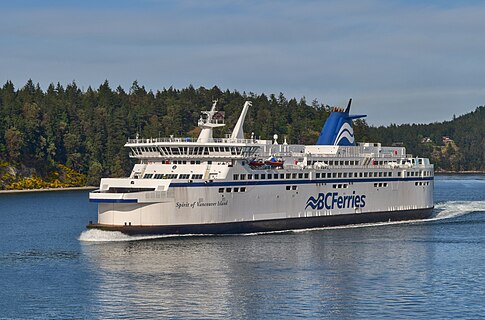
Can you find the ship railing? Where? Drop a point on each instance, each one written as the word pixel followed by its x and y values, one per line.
pixel 193 140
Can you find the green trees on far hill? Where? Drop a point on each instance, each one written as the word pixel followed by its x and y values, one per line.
pixel 85 130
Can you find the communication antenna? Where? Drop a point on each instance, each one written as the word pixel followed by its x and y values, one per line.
pixel 275 137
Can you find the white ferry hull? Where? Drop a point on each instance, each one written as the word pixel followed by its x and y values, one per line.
pixel 269 225
pixel 202 209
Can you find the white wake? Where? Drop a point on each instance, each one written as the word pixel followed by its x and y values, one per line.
pixel 94 235
pixel 452 209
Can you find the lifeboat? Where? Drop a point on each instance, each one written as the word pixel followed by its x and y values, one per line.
pixel 274 162
pixel 256 163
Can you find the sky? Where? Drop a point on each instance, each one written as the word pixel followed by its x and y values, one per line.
pixel 402 61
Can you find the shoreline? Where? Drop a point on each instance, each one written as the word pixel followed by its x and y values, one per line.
pixel 458 172
pixel 49 189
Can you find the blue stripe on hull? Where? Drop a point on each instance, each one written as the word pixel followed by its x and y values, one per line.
pixel 285 182
pixel 113 200
pixel 271 225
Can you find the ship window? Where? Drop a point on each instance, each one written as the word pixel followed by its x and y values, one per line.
pixel 184 176
pixel 197 162
pixel 158 176
pixel 288 187
pixel 306 175
pixel 250 176
pixel 256 177
pixel 346 163
pixel 399 174
pixel 293 175
pixel 242 177
pixel 340 174
pixel 380 174
pixel 365 174
pixel 263 176
pixel 351 174
pixel 192 162
pixel 385 174
pixel 236 189
pixel 228 189
pixel 288 176
pixel 221 190
pixel 209 162
pixel 148 176
pixel 243 189
pixel 390 174
pixel 317 175
pixel 300 176
pixel 334 174
pixel 196 176
pixel 211 149
pixel 235 177
pixel 282 175
pixel 330 163
pixel 293 187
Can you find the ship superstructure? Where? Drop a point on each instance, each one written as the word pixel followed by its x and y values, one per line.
pixel 235 185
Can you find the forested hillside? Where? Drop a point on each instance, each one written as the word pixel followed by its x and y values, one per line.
pixel 457 145
pixel 65 136
pixel 85 130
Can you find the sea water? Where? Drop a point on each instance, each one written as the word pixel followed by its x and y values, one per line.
pixel 51 267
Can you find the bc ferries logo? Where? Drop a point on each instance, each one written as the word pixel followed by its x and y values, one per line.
pixel 333 200
pixel 345 132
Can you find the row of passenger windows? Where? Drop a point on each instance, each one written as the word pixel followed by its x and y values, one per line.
pixel 270 176
pixel 192 150
pixel 171 176
pixel 327 175
pixel 335 162
pixel 422 183
pixel 380 185
pixel 340 186
pixel 236 189
pixel 318 175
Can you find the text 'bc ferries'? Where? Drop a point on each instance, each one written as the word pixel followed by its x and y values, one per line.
pixel 237 185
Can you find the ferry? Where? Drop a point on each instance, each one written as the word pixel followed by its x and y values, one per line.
pixel 237 185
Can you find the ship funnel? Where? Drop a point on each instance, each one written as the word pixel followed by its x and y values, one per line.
pixel 238 132
pixel 338 128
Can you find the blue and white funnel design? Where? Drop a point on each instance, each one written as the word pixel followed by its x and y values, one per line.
pixel 338 128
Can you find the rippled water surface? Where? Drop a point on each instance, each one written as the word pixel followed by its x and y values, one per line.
pixel 50 267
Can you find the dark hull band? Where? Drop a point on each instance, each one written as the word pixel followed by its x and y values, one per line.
pixel 270 225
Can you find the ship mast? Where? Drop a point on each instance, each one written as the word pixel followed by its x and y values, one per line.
pixel 208 121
